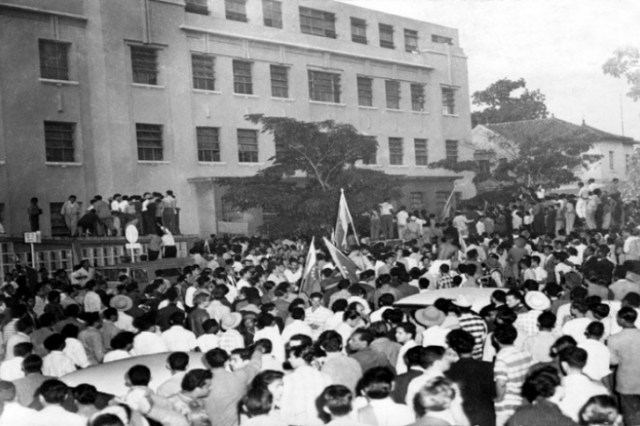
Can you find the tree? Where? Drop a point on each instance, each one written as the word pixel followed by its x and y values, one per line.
pixel 299 191
pixel 625 62
pixel 501 105
pixel 631 187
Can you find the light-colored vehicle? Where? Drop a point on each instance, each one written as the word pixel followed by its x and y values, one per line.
pixel 109 377
pixel 479 297
pixel 144 272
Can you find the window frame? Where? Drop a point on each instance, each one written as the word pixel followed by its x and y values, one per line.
pixel 611 160
pixel 145 144
pixel 435 38
pixel 396 151
pixel 392 95
pixel 317 22
pixel 144 65
pixel 358 23
pixel 371 160
pixel 198 71
pixel 279 84
pixel 365 93
pixel 408 36
pixel 335 80
pixel 242 80
pixel 59 143
pixel 448 100
pixel 386 33
pixel 421 148
pixel 60 60
pixel 451 145
pixel 270 14
pixel 417 98
pixel 235 10
pixel 197 6
pixel 244 155
pixel 57 222
pixel 208 150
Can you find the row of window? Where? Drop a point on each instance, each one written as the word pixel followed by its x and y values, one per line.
pixel 59 145
pixel 316 22
pixel 323 86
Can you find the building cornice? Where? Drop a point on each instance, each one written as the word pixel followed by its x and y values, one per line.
pixel 40 11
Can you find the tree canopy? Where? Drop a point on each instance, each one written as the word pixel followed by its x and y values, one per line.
pixel 502 105
pixel 625 62
pixel 299 191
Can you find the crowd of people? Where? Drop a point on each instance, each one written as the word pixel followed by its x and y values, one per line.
pixel 148 213
pixel 555 344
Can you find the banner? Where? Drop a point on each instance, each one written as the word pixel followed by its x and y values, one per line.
pixel 347 268
pixel 311 274
pixel 342 225
pixel 449 205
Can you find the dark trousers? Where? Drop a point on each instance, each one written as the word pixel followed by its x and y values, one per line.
pixel 386 220
pixel 630 406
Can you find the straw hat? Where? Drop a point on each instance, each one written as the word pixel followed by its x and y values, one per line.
pixel 121 302
pixel 537 301
pixel 429 316
pixel 231 320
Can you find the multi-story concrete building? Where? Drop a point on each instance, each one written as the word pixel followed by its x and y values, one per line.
pixel 128 96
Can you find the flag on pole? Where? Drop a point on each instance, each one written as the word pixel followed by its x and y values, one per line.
pixel 449 205
pixel 342 224
pixel 311 274
pixel 347 268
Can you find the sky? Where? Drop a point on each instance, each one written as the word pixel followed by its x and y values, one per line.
pixel 557 46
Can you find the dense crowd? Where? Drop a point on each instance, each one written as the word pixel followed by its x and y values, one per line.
pixel 555 344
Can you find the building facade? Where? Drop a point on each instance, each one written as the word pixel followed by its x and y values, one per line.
pixel 129 96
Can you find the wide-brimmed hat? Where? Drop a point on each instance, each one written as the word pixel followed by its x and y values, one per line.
pixel 537 301
pixel 430 316
pixel 462 301
pixel 121 302
pixel 250 308
pixel 231 320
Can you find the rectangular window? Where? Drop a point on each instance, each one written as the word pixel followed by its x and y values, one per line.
pixel 371 159
pixel 144 62
pixel 451 150
pixel 359 30
pixel 149 138
pixel 386 36
pixel 627 158
pixel 416 200
pixel 396 152
pixel 448 101
pixel 417 97
pixel 441 39
pixel 58 224
pixel 197 6
pixel 324 86
pixel 247 146
pixel 235 10
pixel 422 155
pixel 208 139
pixel 279 81
pixel 58 141
pixel 54 60
pixel 410 40
pixel 611 164
pixel 392 91
pixel 272 13
pixel 365 91
pixel 242 81
pixel 317 22
pixel 203 72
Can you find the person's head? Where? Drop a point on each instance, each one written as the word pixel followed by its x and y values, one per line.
pixel 197 383
pixel 330 341
pixel 560 344
pixel 271 380
pixel 107 419
pixel 461 341
pixel 599 410
pixel 258 401
pixel 299 355
pixel 138 375
pixel 505 334
pixel 413 357
pixel 53 392
pixel 514 298
pixel 546 321
pixel 351 317
pixel 377 382
pixel 360 339
pixel 405 332
pixel 436 395
pixel 32 364
pixel 216 358
pixel 386 299
pixel 178 361
pixel 239 358
pixel 595 330
pixel 85 394
pixel 498 297
pixel 336 400
pixel 122 340
pixel 543 383
pixel 297 314
pixel 572 359
pixel 627 317
pixel 55 342
pixel 316 300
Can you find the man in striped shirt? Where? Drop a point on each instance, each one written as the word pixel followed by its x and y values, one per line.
pixel 471 323
pixel 509 371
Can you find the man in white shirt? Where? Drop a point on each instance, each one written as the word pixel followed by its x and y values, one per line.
pixel 178 338
pixel 177 363
pixel 147 342
pixel 386 219
pixel 56 363
pixel 294 272
pixel 13 413
pixel 52 395
pixel 11 369
pixel 297 326
pixel 401 220
pixel 598 363
pixel 316 315
pixel 577 326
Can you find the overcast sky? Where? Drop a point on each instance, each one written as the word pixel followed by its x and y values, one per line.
pixel 557 46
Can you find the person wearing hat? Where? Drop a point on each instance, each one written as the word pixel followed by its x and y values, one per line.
pixel 123 303
pixel 231 338
pixel 432 318
pixel 471 322
pixel 537 302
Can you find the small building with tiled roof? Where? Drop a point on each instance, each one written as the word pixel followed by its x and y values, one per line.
pixel 493 142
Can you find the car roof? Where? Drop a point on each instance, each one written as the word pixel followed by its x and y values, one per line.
pixel 176 261
pixel 480 297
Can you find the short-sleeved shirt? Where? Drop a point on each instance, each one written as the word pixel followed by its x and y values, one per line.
pixel 625 347
pixel 512 365
pixel 478 328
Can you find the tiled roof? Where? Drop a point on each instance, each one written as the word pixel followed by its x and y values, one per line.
pixel 552 128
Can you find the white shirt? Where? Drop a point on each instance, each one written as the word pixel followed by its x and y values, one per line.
pixel 14 414
pixel 206 342
pixel 76 353
pixel 11 369
pixel 92 302
pixel 115 355
pixel 402 217
pixel 57 364
pixel 172 385
pixel 435 336
pixel 125 322
pixel 578 389
pixel 385 208
pixel 401 366
pixel 296 327
pixel 598 359
pixel 19 337
pixel 147 343
pixel 576 328
pixel 292 276
pixel 277 343
pixel 390 413
pixel 179 339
